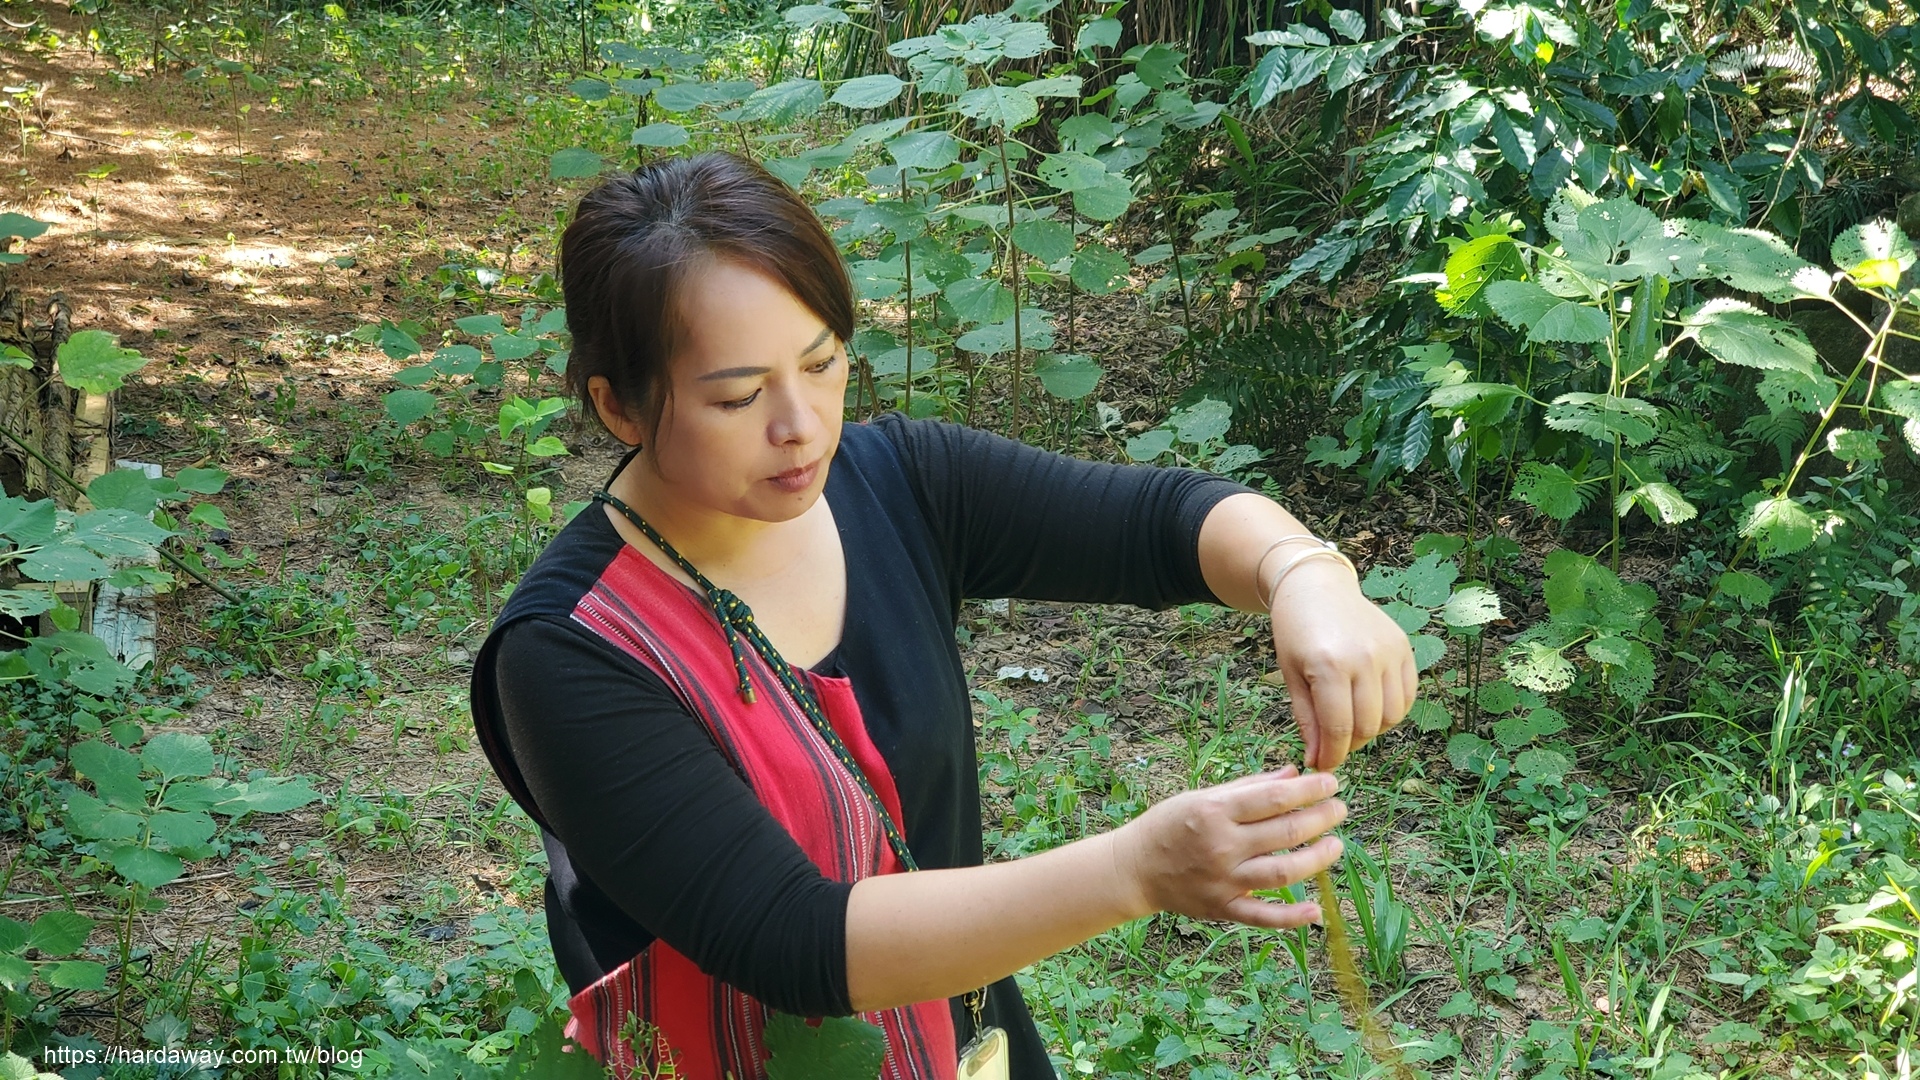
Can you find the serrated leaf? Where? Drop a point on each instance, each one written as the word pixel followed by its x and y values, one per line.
pixel 64 564
pixel 924 150
pixel 1735 332
pixel 1662 502
pixel 76 975
pixel 93 362
pixel 868 91
pixel 1427 650
pixel 1072 171
pixel 1429 716
pixel 1104 201
pixel 143 865
pixel 59 933
pixel 114 772
pixel 840 1046
pixel 1473 266
pixel 1048 241
pixel 1599 416
pixel 178 755
pixel 1474 605
pixel 1780 525
pixel 1874 254
pixel 1549 489
pixel 480 326
pixel 1747 588
pixel 1538 666
pixel 1469 753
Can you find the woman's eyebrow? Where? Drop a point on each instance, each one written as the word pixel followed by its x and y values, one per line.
pixel 743 372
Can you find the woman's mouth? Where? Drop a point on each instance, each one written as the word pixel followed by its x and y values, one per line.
pixel 795 479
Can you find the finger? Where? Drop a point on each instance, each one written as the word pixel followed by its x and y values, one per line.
pixel 1270 914
pixel 1284 772
pixel 1333 717
pixel 1288 867
pixel 1409 678
pixel 1274 796
pixel 1303 714
pixel 1367 708
pixel 1393 699
pixel 1284 832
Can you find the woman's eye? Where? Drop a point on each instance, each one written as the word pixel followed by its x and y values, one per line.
pixel 742 403
pixel 825 365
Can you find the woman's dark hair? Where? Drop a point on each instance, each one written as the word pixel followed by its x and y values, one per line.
pixel 636 239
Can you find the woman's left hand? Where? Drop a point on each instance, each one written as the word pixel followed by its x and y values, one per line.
pixel 1347 664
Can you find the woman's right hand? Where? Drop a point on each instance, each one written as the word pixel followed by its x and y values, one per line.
pixel 1202 852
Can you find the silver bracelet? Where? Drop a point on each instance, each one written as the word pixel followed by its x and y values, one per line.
pixel 1289 539
pixel 1329 550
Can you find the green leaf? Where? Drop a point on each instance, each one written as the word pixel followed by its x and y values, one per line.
pixel 1523 728
pixel 784 102
pixel 1003 107
pixel 1540 764
pixel 1158 65
pixel 1427 650
pixel 117 533
pixel 406 406
pixel 574 163
pixel 928 150
pixel 1149 445
pixel 59 933
pixel 1475 264
pixel 143 865
pixel 660 134
pixel 1736 332
pixel 1600 416
pixel 546 446
pixel 267 795
pixel 1069 377
pixel 123 489
pixel 114 772
pixel 76 975
pixel 1201 422
pixel 26 603
pixel 1474 605
pixel 179 830
pixel 201 481
pixel 480 326
pixel 34 522
pixel 1428 581
pixel 996 338
pixel 64 564
pixel 1072 171
pixel 1874 254
pixel 805 16
pixel 177 755
pixel 840 1047
pixel 22 226
pixel 1780 525
pixel 1048 241
pixel 1430 716
pixel 1469 753
pixel 1100 270
pixel 868 91
pixel 1538 666
pixel 93 362
pixel 1105 201
pixel 1661 501
pixel 1098 34
pixel 1747 588
pixel 512 347
pixel 1853 446
pixel 1519 304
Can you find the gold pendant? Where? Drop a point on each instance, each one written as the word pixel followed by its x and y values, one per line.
pixel 985 1057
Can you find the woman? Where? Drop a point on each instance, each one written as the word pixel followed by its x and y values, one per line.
pixel 729 691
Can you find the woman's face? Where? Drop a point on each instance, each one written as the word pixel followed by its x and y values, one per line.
pixel 759 389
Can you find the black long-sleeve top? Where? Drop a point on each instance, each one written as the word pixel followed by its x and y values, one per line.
pixel 648 829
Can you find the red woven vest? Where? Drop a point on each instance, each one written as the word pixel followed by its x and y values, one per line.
pixel 708 1029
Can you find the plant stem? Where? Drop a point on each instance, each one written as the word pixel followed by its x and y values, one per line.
pixel 1013 268
pixel 908 246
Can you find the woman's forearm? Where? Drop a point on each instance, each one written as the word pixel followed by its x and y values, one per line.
pixel 940 933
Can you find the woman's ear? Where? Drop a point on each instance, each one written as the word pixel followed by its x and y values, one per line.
pixel 613 414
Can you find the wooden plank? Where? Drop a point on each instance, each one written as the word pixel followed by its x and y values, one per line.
pixel 124 618
pixel 92 421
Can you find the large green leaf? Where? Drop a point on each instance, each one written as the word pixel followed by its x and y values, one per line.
pixel 1472 266
pixel 76 975
pixel 93 362
pixel 868 91
pixel 114 772
pixel 1072 171
pixel 182 829
pixel 406 406
pixel 1550 489
pixel 1736 332
pixel 59 933
pixel 1105 201
pixel 1755 261
pixel 924 150
pixel 1601 416
pixel 1546 317
pixel 1874 254
pixel 177 755
pixel 1538 666
pixel 1780 526
pixel 64 563
pixel 1070 376
pixel 143 865
pixel 783 102
pixel 1003 107
pixel 1474 605
pixel 1662 502
pixel 574 163
pixel 20 225
pixel 1099 269
pixel 118 533
pixel 840 1048
pixel 659 134
pixel 1048 241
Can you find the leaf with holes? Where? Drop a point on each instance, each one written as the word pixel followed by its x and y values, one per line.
pixel 1599 416
pixel 1538 666
pixel 1551 766
pixel 1736 332
pixel 1099 270
pixel 1474 605
pixel 1048 241
pixel 1662 502
pixel 1874 254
